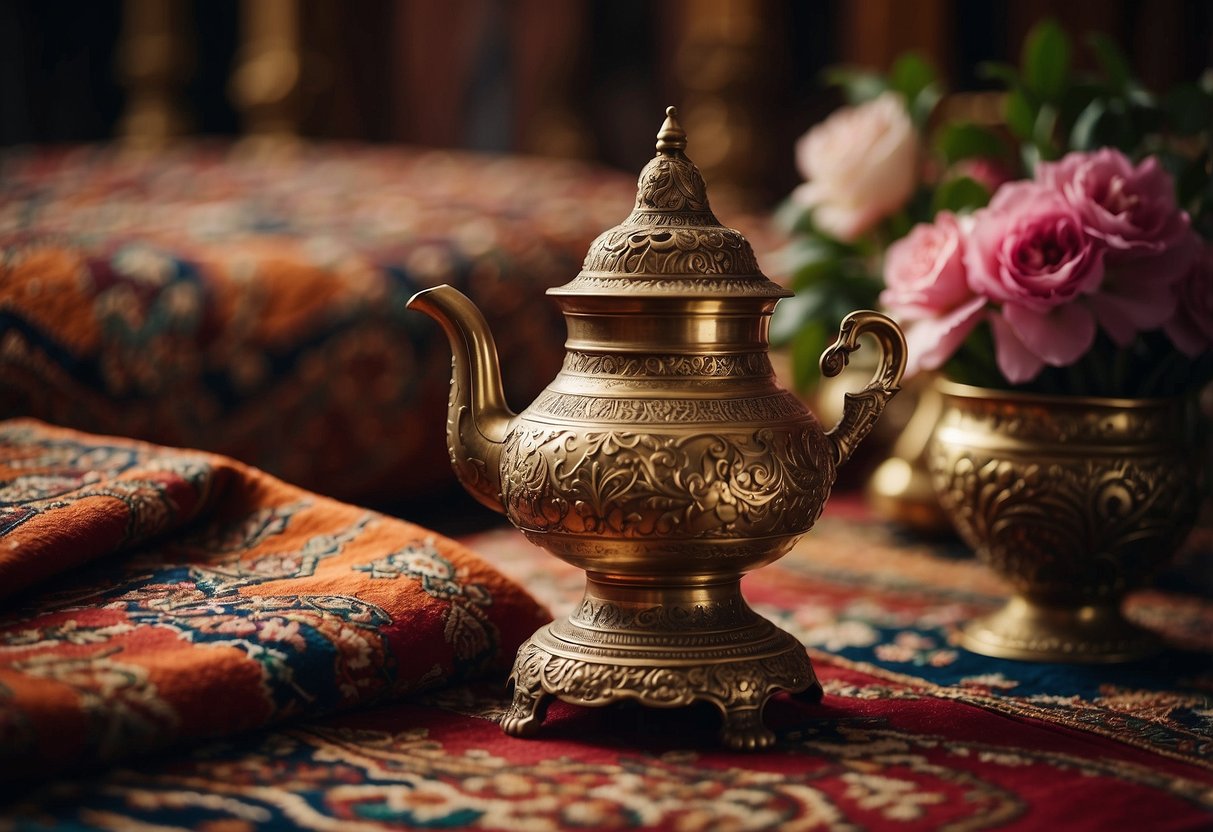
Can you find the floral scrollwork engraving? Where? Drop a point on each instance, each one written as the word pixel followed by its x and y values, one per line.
pixel 648 366
pixel 770 408
pixel 662 618
pixel 629 484
pixel 739 689
pixel 1064 522
pixel 726 684
pixel 755 287
pixel 671 184
pixel 657 250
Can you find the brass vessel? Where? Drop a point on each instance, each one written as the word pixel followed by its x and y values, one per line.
pixel 664 460
pixel 1073 500
pixel 900 489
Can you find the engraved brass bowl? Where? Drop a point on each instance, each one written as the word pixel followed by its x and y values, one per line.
pixel 664 459
pixel 1075 501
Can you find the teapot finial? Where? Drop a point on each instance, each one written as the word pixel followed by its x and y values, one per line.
pixel 671 138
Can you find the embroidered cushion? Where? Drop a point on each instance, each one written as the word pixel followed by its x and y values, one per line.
pixel 255 307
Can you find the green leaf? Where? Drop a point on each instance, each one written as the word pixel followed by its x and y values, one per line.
pixel 793 313
pixel 1085 135
pixel 996 71
pixel 1139 96
pixel 910 75
pixel 1109 123
pixel 790 216
pixel 1111 60
pixel 807 347
pixel 1191 180
pixel 917 210
pixel 1029 154
pixel 1020 114
pixel 863 292
pixel 899 225
pixel 1189 109
pixel 805 248
pixel 1141 119
pixel 815 272
pixel 974 363
pixel 1043 131
pixel 924 104
pixel 1046 60
pixel 965 140
pixel 1078 97
pixel 857 85
pixel 961 194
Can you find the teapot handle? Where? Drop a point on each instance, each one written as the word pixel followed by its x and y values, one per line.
pixel 861 410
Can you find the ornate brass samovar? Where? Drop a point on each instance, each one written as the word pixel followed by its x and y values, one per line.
pixel 665 460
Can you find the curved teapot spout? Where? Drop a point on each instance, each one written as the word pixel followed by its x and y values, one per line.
pixel 861 410
pixel 477 416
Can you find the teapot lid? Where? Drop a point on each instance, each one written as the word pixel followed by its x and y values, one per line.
pixel 671 245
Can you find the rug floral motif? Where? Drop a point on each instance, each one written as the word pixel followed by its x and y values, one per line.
pixel 863 761
pixel 172 596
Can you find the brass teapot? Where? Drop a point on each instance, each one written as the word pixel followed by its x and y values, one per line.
pixel 665 460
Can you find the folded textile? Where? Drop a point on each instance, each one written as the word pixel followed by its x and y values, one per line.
pixel 168 595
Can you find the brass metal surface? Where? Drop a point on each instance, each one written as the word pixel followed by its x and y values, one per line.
pixel 900 489
pixel 664 459
pixel 1075 501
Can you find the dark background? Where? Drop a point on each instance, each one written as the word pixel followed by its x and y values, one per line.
pixel 585 78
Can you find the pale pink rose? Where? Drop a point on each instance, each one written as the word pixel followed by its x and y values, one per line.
pixel 860 165
pixel 1133 212
pixel 924 271
pixel 1192 326
pixel 1028 252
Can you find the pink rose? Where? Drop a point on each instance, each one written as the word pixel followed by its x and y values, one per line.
pixel 1133 212
pixel 930 342
pixel 924 271
pixel 1192 326
pixel 861 165
pixel 1028 251
pixel 927 290
pixel 1132 209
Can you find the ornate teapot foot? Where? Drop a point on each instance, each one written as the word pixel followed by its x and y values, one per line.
pixel 1033 632
pixel 707 646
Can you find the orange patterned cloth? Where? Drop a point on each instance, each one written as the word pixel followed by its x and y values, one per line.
pixel 195 597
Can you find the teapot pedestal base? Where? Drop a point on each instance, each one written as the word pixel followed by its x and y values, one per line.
pixel 663 647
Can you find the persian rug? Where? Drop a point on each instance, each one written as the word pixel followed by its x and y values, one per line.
pixel 913 734
pixel 154 597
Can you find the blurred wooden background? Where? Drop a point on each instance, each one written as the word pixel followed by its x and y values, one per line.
pixel 581 78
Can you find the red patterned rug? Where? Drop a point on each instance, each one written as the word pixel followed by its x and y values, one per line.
pixel 914 733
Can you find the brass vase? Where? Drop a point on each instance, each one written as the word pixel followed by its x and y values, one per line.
pixel 900 489
pixel 1074 501
pixel 664 460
